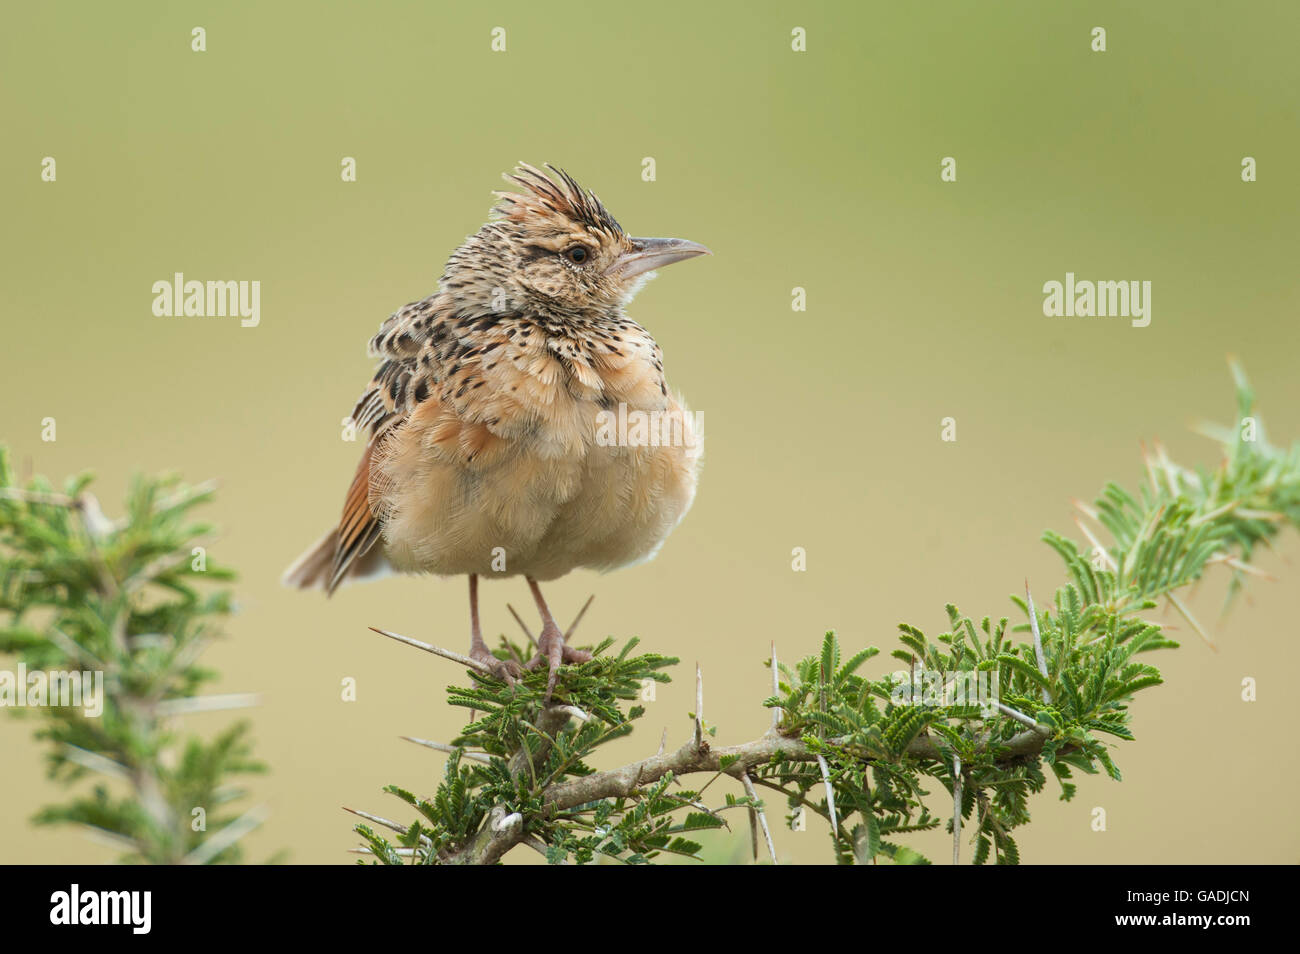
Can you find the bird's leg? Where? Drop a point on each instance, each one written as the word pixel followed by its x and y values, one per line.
pixel 550 642
pixel 504 669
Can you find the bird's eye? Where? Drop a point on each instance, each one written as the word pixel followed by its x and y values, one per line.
pixel 577 254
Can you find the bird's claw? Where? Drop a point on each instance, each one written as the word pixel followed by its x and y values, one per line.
pixel 507 670
pixel 552 649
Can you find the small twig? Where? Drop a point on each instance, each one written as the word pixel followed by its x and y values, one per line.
pixel 1151 472
pixel 1270 515
pixel 116 842
pixel 712 778
pixel 39 497
pixel 400 852
pixel 1212 514
pixel 1083 508
pixel 223 839
pixel 436 650
pixel 699 707
pixel 1167 466
pixel 983 805
pixel 157 568
pixel 449 749
pixel 386 822
pixel 830 795
pixel 1229 560
pixel 1038 640
pixel 152 641
pixel 187 704
pixel 522 625
pixel 578 619
pixel 513 655
pixel 956 809
pixel 73 648
pixel 1021 718
pixel 95 762
pixel 1105 554
pixel 190 651
pixel 715 812
pixel 762 817
pixel 1187 615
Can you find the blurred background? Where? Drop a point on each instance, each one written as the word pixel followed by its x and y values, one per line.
pixel 816 169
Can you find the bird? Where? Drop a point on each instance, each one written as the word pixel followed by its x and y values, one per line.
pixel 495 419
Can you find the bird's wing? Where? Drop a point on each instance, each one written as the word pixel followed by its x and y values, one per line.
pixel 399 384
pixel 444 370
pixel 459 390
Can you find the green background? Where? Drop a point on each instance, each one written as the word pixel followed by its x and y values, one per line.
pixel 816 169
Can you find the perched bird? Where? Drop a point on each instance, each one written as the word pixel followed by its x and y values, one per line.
pixel 492 449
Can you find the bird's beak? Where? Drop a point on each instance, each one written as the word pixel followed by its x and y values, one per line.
pixel 647 254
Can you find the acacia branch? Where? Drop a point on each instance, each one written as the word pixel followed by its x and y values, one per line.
pixel 494 840
pixel 1162 540
pixel 621 782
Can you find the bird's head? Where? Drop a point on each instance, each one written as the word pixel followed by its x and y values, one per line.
pixel 554 250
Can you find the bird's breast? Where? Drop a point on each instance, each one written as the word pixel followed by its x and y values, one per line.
pixel 563 457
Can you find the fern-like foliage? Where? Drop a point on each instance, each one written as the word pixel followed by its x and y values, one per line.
pixel 130 602
pixel 971 710
pixel 516 748
pixel 1076 696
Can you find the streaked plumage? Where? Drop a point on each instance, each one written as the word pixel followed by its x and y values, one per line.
pixel 482 414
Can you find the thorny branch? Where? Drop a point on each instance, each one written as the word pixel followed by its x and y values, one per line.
pixel 504 831
pixel 1049 698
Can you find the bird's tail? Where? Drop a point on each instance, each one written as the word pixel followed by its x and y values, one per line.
pixel 314 568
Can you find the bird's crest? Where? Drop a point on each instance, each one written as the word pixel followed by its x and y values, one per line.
pixel 556 194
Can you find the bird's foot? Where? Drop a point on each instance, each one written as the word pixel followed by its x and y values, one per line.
pixel 552 650
pixel 507 670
